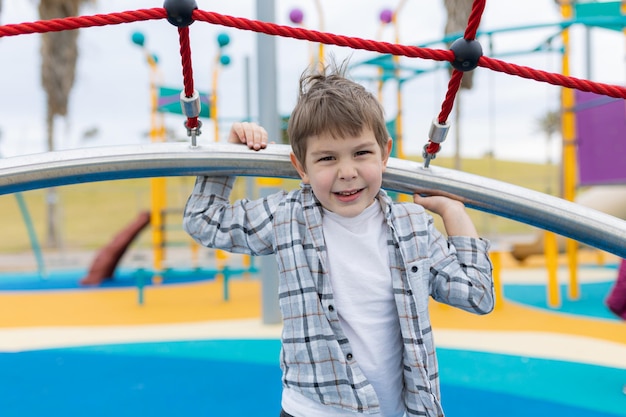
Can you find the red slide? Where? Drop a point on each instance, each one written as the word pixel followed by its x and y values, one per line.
pixel 105 262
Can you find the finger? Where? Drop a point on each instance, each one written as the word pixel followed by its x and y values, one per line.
pixel 256 136
pixel 237 133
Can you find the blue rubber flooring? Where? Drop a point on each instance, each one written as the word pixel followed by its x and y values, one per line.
pixel 68 280
pixel 590 304
pixel 241 377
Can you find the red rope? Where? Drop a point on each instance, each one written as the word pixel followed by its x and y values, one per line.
pixel 404 50
pixel 432 148
pixel 448 102
pixel 322 37
pixel 185 54
pixel 553 78
pixel 71 23
pixel 478 8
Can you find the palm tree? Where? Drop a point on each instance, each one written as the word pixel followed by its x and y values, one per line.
pixel 59 53
pixel 549 124
pixel 458 12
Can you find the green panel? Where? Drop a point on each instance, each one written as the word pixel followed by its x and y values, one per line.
pixel 169 102
pixel 391 128
pixel 596 12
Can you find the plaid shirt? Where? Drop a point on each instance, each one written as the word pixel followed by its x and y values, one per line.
pixel 316 357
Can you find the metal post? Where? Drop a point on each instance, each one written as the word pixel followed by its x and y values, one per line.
pixel 270 120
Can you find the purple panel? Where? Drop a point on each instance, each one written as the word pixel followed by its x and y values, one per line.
pixel 601 134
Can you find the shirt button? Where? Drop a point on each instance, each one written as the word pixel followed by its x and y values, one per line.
pixel 409 292
pixel 414 269
pixel 331 308
pixel 349 356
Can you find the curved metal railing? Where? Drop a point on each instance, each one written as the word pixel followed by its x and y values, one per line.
pixel 34 171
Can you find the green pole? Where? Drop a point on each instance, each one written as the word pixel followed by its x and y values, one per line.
pixel 34 242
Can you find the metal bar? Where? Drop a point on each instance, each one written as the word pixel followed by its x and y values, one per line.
pixel 57 168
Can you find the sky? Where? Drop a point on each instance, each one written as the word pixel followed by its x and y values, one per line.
pixel 111 92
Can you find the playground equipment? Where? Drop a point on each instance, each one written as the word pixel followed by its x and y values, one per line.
pixel 57 168
pixel 32 236
pixel 616 301
pixel 609 199
pixel 591 143
pixel 166 159
pixel 588 226
pixel 167 100
pixel 106 261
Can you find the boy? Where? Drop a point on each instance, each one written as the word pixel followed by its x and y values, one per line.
pixel 356 269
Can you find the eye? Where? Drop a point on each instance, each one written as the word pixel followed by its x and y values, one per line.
pixel 361 153
pixel 325 158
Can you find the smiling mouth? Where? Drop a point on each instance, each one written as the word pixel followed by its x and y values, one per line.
pixel 348 193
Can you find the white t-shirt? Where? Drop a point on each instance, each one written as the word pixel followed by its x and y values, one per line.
pixel 361 281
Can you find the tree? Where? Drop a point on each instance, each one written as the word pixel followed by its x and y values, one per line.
pixel 458 12
pixel 549 124
pixel 59 54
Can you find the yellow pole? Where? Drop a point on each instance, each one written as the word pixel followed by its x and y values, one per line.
pixel 220 256
pixel 381 71
pixel 551 252
pixel 157 220
pixel 214 100
pixel 157 185
pixel 496 261
pixel 399 125
pixel 320 48
pixel 569 153
pixel 396 60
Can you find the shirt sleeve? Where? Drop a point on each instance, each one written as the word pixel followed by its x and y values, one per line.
pixel 244 226
pixel 461 273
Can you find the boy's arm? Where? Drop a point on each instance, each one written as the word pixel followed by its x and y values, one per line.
pixel 461 277
pixel 213 221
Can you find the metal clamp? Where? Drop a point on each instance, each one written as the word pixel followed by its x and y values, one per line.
pixel 190 105
pixel 438 131
pixel 193 132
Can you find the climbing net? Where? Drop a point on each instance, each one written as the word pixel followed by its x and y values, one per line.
pixel 465 54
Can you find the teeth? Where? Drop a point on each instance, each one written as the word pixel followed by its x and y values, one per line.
pixel 348 192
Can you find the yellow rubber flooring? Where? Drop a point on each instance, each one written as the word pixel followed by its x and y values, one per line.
pixel 203 301
pixel 200 301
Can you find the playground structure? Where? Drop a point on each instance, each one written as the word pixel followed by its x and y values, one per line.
pixel 559 216
pixel 464 57
pixel 95 164
pixel 157 127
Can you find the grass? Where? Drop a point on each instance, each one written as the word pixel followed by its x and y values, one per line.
pixel 91 214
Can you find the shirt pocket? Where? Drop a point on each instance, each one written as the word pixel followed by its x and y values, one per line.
pixel 418 274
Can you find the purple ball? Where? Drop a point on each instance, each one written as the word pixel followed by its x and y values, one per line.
pixel 296 16
pixel 386 16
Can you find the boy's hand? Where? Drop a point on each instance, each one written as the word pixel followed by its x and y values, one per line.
pixel 438 204
pixel 250 134
pixel 455 218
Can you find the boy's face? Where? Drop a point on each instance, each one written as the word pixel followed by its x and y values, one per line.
pixel 345 174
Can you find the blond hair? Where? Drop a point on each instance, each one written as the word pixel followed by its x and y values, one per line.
pixel 330 103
